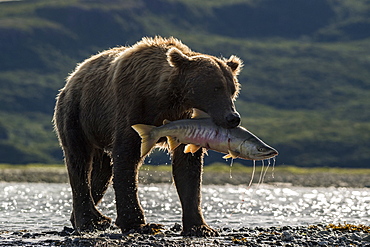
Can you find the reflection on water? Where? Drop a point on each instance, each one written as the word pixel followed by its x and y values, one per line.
pixel 47 206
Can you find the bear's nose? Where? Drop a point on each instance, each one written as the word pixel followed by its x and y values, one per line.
pixel 233 120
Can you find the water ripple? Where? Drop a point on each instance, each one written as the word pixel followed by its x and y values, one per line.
pixel 47 206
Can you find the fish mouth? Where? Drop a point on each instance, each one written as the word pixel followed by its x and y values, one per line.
pixel 268 155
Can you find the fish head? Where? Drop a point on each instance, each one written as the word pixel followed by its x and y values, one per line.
pixel 255 149
pixel 265 152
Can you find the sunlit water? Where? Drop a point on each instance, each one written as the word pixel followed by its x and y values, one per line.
pixel 44 207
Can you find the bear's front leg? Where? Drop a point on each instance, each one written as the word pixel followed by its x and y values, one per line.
pixel 126 164
pixel 130 214
pixel 187 172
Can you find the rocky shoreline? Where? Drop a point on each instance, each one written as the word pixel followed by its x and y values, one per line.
pixel 313 235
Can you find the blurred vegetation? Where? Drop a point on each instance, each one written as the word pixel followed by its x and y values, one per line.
pixel 305 83
pixel 217 167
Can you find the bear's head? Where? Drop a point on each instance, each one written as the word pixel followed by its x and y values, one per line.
pixel 209 84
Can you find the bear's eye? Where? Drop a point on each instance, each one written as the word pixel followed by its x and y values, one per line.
pixel 217 89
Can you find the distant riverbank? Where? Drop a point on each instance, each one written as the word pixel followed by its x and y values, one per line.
pixel 214 174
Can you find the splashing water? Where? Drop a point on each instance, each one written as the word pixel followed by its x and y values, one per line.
pixel 268 165
pixel 273 167
pixel 231 164
pixel 254 169
pixel 263 170
pixel 263 166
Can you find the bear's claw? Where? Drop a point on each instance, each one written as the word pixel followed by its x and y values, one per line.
pixel 100 223
pixel 145 229
pixel 201 231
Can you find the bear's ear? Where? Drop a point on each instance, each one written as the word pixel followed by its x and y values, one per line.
pixel 235 64
pixel 176 58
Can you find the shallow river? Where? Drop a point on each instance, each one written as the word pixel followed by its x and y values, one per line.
pixel 40 207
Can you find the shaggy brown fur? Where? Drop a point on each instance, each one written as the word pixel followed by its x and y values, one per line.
pixel 153 80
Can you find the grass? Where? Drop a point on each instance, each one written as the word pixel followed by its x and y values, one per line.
pixel 217 168
pixel 216 174
pixel 332 170
pixel 32 166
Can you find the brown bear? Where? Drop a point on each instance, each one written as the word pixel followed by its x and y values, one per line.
pixel 153 80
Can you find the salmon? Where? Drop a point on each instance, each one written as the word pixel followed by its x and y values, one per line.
pixel 200 132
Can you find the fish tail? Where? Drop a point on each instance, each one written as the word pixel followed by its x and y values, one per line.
pixel 147 139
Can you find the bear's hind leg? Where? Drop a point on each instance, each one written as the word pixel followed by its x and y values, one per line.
pixel 78 158
pixel 101 177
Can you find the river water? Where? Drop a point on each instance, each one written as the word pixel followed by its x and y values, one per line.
pixel 45 207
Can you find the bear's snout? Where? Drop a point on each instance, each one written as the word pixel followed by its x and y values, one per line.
pixel 233 120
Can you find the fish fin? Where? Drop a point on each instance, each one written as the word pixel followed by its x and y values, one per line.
pixel 191 148
pixel 226 156
pixel 231 154
pixel 147 141
pixel 172 142
pixel 166 121
pixel 199 114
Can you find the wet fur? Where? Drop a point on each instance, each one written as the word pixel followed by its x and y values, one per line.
pixel 153 80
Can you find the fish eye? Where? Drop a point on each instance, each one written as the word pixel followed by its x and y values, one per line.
pixel 261 149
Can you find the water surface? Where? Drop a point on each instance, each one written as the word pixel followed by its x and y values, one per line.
pixel 45 207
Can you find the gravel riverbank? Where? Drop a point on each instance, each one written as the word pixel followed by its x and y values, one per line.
pixel 315 235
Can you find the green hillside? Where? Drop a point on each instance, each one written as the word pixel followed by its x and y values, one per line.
pixel 305 83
